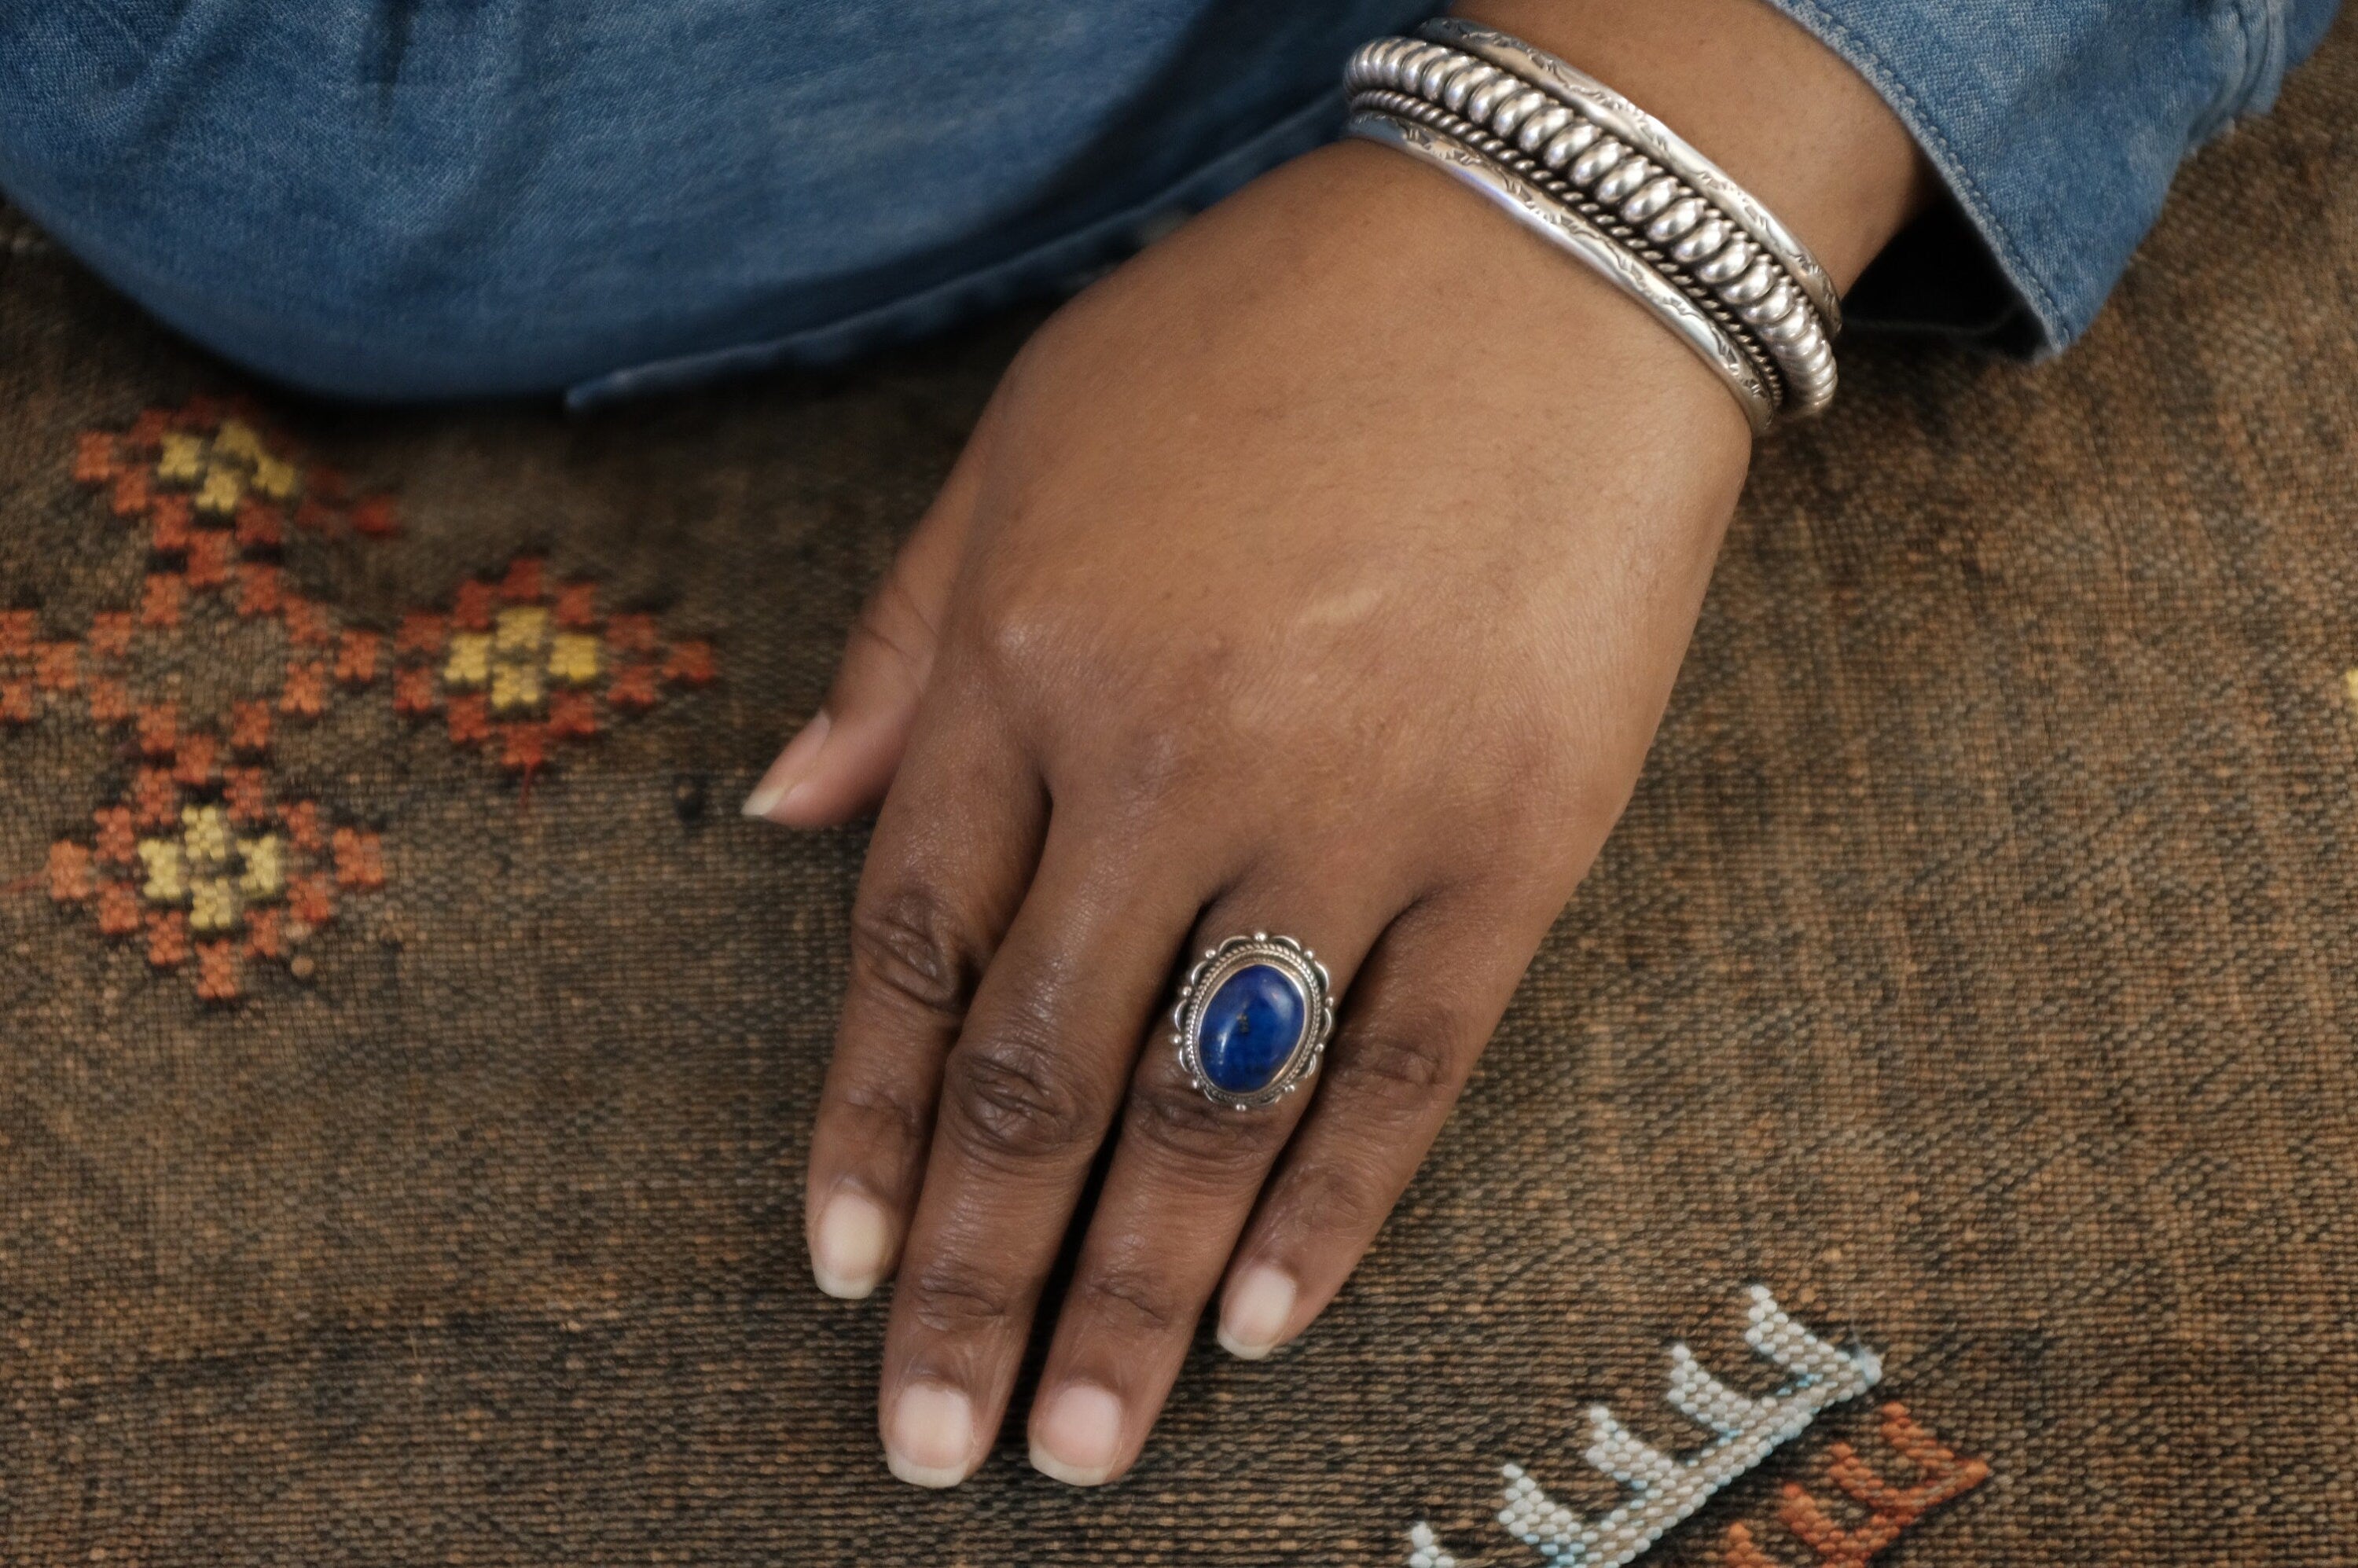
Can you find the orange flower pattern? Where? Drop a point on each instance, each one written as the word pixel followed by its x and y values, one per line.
pixel 518 666
pixel 201 860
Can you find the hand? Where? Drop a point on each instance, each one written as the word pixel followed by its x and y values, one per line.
pixel 1324 571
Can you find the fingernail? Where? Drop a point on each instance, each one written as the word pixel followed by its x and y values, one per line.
pixel 932 1438
pixel 849 1246
pixel 793 765
pixel 1078 1439
pixel 1256 1311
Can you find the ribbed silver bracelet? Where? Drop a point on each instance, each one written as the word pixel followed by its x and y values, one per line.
pixel 1602 179
pixel 1732 242
pixel 1574 221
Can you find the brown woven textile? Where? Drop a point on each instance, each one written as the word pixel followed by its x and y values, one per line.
pixel 1976 968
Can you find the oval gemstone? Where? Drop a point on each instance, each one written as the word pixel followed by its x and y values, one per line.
pixel 1250 1027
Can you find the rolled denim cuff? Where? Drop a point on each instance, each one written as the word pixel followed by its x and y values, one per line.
pixel 2057 128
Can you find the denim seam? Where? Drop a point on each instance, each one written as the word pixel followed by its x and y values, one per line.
pixel 2254 53
pixel 2234 78
pixel 1869 61
pixel 2245 77
pixel 2264 28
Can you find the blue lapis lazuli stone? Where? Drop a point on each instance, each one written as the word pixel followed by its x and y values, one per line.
pixel 1250 1027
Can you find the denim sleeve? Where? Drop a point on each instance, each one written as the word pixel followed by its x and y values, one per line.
pixel 2057 126
pixel 391 200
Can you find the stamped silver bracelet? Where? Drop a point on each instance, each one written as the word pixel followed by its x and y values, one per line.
pixel 1557 223
pixel 1767 385
pixel 1594 173
pixel 1752 233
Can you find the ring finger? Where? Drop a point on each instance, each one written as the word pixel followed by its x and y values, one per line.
pixel 1188 1168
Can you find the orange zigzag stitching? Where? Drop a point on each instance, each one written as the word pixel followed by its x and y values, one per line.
pixel 1941 1475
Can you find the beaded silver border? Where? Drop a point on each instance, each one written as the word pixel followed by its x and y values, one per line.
pixel 1615 115
pixel 1291 958
pixel 1629 174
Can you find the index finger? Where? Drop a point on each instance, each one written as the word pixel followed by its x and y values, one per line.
pixel 946 873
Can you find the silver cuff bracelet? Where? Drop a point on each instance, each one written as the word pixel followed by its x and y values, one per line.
pixel 1598 177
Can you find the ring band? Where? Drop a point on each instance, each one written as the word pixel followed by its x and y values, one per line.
pixel 1252 1020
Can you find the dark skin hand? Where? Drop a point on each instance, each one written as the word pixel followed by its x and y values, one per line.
pixel 1325 570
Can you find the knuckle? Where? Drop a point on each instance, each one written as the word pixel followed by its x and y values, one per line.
pixel 907 947
pixel 1025 642
pixel 879 1111
pixel 1157 757
pixel 949 1298
pixel 1010 1100
pixel 1130 1299
pixel 1146 772
pixel 893 629
pixel 1402 1062
pixel 1336 1197
pixel 1179 1124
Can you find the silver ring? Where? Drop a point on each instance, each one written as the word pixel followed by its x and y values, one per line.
pixel 1252 1020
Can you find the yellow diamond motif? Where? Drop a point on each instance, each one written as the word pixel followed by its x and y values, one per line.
pixel 220 491
pixel 167 873
pixel 522 629
pixel 237 438
pixel 213 907
pixel 204 837
pixel 265 868
pixel 514 687
pixel 273 477
pixel 573 658
pixel 470 664
pixel 183 458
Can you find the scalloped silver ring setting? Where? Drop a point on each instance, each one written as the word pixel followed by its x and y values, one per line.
pixel 1252 1020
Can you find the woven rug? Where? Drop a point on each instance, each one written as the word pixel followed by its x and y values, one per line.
pixel 409 1051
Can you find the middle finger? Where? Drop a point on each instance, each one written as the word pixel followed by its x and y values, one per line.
pixel 1027 1095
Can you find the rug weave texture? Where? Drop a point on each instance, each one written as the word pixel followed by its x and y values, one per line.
pixel 409 1051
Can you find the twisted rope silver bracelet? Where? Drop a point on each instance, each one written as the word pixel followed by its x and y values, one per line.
pixel 1601 179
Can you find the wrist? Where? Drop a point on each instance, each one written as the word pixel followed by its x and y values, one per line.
pixel 1785 117
pixel 1385 258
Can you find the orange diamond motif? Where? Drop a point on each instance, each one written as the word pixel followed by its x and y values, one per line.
pixel 196 857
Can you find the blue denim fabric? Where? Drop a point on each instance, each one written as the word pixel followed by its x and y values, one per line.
pixel 406 199
pixel 431 198
pixel 2057 126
